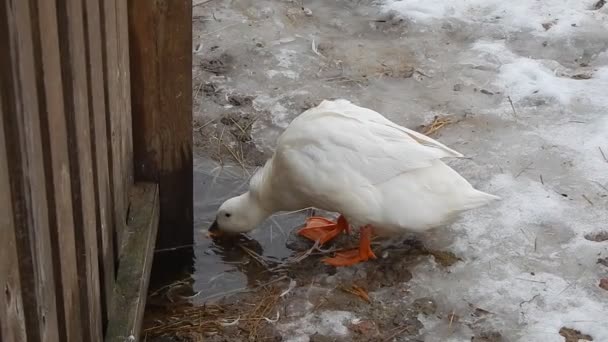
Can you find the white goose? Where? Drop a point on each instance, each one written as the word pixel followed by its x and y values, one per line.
pixel 344 158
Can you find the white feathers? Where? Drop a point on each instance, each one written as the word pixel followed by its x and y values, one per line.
pixel 348 159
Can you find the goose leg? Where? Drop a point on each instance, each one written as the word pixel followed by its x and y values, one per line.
pixel 354 256
pixel 323 230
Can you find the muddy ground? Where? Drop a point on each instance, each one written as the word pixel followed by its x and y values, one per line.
pixel 257 65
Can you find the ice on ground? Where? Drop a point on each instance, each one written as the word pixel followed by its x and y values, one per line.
pixel 526 84
pixel 550 17
pixel 326 323
pixel 527 259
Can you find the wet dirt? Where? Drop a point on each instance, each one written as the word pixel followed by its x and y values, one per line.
pixel 244 269
pixel 257 65
pixel 572 335
pixel 243 94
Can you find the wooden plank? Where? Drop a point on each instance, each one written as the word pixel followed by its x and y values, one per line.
pixel 74 63
pixel 161 88
pixel 55 149
pixel 26 172
pixel 129 297
pixel 12 321
pixel 21 106
pixel 113 112
pixel 122 29
pixel 97 107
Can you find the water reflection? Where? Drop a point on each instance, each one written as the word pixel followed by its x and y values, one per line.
pixel 225 265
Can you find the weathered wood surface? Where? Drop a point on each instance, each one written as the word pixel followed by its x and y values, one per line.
pixel 55 144
pixel 114 129
pixel 96 93
pixel 12 321
pixel 129 296
pixel 74 72
pixel 67 161
pixel 21 104
pixel 161 88
pixel 124 77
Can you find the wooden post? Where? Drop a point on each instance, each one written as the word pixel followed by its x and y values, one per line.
pixel 160 35
pixel 73 52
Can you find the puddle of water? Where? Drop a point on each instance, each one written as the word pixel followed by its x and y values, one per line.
pixel 222 267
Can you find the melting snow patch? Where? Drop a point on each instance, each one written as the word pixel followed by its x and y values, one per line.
pixel 558 16
pixel 285 57
pixel 526 260
pixel 285 73
pixel 327 323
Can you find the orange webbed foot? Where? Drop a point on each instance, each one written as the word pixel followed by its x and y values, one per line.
pixel 323 230
pixel 355 256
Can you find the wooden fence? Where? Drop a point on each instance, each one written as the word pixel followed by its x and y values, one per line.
pixel 85 89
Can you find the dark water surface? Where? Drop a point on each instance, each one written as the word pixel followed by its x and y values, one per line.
pixel 220 267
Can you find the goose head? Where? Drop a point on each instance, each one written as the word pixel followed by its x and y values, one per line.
pixel 239 214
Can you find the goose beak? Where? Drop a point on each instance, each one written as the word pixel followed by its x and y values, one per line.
pixel 214 230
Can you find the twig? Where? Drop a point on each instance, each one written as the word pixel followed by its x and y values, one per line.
pixel 219 147
pixel 239 126
pixel 228 324
pixel 198 89
pixel 219 30
pixel 205 125
pixel 250 123
pixel 451 319
pixel 314 250
pixel 532 281
pixel 603 155
pixel 421 73
pixel 239 160
pixel 159 290
pixel 292 285
pixel 201 3
pixel 587 199
pixel 244 289
pixel 512 106
pixel 357 291
pixel 400 330
pixel 600 185
pixel 173 248
pixel 529 300
pixel 255 256
pixel 436 125
pixel 314 49
pixel 524 169
pixel 541 180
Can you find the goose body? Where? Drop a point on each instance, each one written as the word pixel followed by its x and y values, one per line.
pixel 348 159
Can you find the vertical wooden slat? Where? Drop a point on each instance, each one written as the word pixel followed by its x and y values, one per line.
pixel 26 171
pixel 97 107
pixel 73 58
pixel 59 191
pixel 122 29
pixel 113 112
pixel 12 323
pixel 161 89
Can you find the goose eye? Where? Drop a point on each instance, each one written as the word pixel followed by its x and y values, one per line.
pixel 227 214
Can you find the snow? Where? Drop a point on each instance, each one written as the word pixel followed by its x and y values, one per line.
pixel 534 138
pixel 326 323
pixel 527 260
pixel 509 15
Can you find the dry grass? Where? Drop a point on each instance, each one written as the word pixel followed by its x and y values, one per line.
pixel 222 145
pixel 357 291
pixel 437 124
pixel 250 315
pixel 196 322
